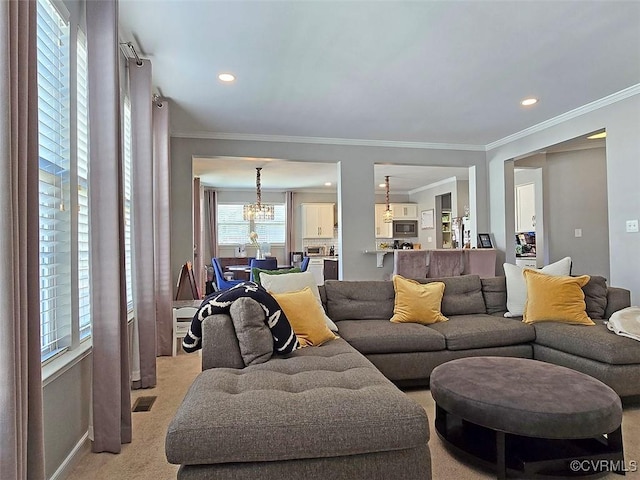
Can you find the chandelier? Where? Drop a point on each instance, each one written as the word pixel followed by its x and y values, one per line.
pixel 257 211
pixel 387 216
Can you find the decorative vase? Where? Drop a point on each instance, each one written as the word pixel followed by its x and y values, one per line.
pixel 259 254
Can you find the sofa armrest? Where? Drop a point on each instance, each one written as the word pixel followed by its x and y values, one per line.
pixel 220 346
pixel 617 299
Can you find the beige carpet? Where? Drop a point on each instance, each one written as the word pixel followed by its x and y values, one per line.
pixel 144 458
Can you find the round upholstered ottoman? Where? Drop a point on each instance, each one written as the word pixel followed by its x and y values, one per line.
pixel 527 417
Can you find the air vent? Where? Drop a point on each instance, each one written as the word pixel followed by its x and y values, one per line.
pixel 143 404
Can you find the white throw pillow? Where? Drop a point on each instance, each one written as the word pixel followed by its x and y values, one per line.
pixel 517 287
pixel 293 282
pixel 626 322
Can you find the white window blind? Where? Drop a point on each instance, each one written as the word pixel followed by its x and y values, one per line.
pixel 53 135
pixel 127 155
pixel 233 230
pixel 84 285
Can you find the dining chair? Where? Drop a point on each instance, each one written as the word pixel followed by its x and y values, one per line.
pixel 305 264
pixel 266 264
pixel 223 283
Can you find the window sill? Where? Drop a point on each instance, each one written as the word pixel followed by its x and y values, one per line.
pixel 64 362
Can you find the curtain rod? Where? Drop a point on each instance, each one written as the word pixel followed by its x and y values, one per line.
pixel 133 50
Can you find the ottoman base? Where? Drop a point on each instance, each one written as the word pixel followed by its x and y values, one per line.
pixel 520 456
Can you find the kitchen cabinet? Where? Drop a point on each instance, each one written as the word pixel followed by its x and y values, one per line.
pixel 526 208
pixel 405 211
pixel 317 220
pixel 316 267
pixel 383 230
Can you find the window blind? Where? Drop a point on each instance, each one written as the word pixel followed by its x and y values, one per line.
pixel 84 285
pixel 53 136
pixel 127 156
pixel 233 230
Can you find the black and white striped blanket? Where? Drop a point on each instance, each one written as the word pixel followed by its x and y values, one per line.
pixel 284 338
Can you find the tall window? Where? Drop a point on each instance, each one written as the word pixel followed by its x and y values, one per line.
pixel 65 315
pixel 84 285
pixel 127 200
pixel 233 230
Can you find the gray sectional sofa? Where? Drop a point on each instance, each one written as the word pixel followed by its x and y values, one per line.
pixel 333 412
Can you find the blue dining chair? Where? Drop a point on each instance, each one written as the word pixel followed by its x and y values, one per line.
pixel 222 283
pixel 266 264
pixel 304 264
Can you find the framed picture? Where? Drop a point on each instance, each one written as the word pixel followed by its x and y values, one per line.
pixel 426 219
pixel 484 241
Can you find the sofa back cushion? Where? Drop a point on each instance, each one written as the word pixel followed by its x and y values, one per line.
pixel 595 296
pixel 462 295
pixel 359 300
pixel 494 291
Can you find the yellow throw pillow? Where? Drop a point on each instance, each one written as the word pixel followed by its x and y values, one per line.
pixel 555 298
pixel 306 316
pixel 417 302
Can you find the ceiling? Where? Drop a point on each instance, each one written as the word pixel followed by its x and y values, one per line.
pixel 450 73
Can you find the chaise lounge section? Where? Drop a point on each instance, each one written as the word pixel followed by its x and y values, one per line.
pixel 333 412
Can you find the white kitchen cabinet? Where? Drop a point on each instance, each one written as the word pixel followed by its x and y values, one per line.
pixel 405 211
pixel 526 208
pixel 317 220
pixel 383 230
pixel 316 267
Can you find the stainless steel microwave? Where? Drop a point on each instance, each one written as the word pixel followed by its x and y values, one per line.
pixel 405 228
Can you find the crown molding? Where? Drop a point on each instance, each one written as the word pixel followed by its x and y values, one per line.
pixel 250 137
pixel 589 107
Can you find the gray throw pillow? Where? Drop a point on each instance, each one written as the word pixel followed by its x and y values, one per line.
pixel 254 337
pixel 595 296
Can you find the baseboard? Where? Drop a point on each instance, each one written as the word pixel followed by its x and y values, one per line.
pixel 64 470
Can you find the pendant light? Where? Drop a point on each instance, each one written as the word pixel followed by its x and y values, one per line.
pixel 258 211
pixel 387 216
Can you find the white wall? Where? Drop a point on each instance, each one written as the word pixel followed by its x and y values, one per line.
pixel 356 192
pixel 622 123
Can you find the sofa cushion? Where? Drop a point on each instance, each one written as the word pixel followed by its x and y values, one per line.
pixel 462 295
pixel 416 302
pixel 382 336
pixel 517 288
pixel 555 298
pixel 318 402
pixel 306 316
pixel 356 300
pixel 593 342
pixel 494 291
pixel 292 282
pixel 254 337
pixel 595 296
pixel 464 332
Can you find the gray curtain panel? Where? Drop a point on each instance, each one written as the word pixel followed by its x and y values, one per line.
pixel 162 231
pixel 111 389
pixel 198 237
pixel 21 442
pixel 289 241
pixel 143 218
pixel 210 209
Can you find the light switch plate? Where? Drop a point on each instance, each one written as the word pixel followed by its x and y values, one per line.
pixel 632 226
pixel 578 232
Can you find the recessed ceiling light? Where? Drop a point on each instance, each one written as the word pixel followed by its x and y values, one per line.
pixel 528 102
pixel 597 135
pixel 226 77
pixel 327 184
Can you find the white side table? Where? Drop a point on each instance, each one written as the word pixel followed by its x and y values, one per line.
pixel 183 312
